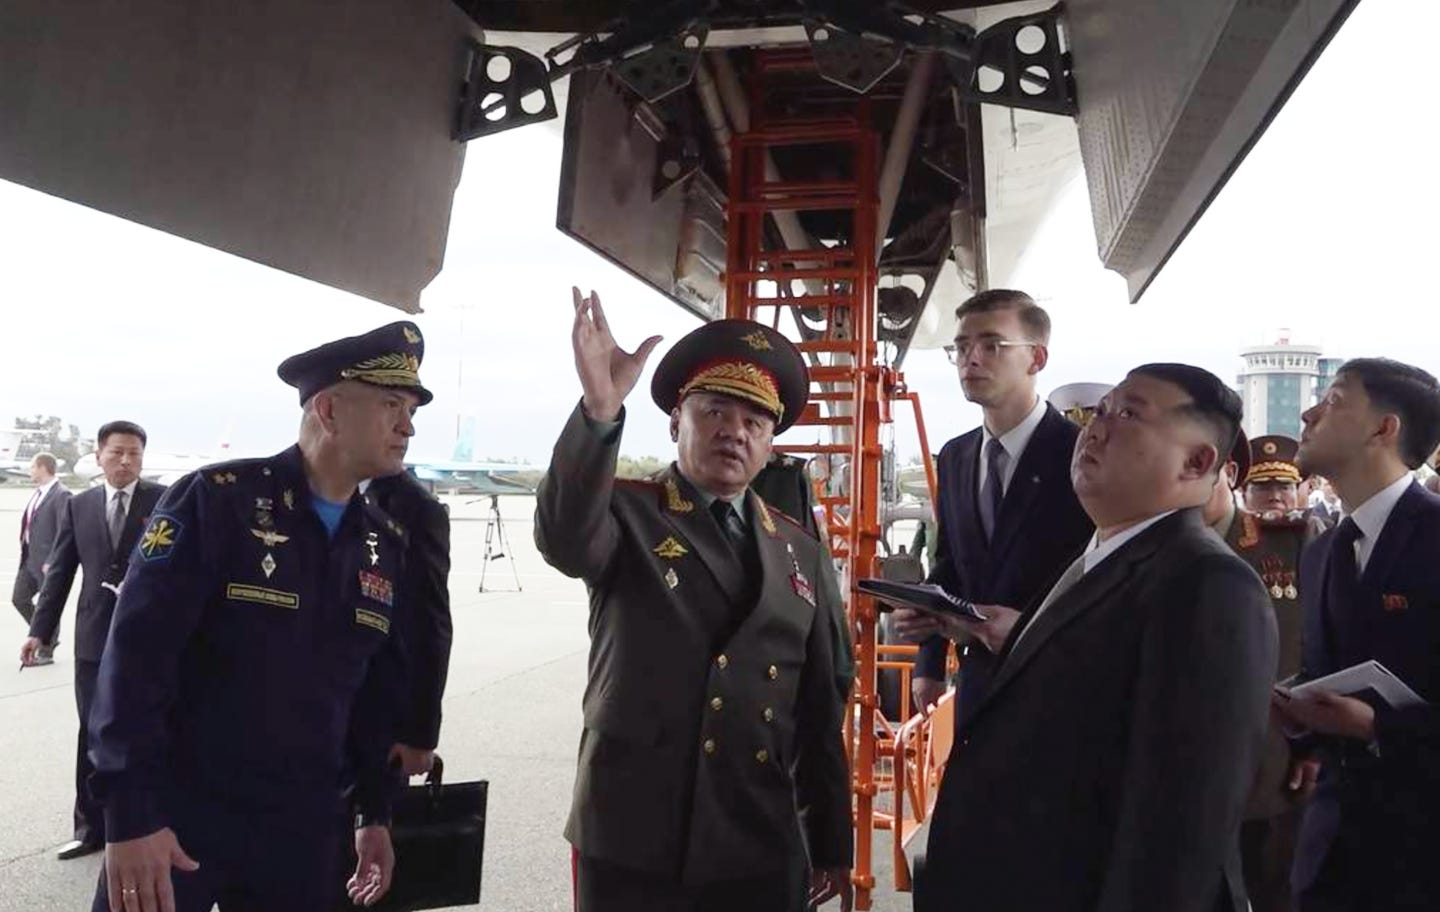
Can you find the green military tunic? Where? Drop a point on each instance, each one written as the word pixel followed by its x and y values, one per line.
pixel 710 715
pixel 1272 546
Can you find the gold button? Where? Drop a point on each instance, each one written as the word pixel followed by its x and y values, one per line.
pixel 716 703
pixel 762 756
pixel 722 661
pixel 709 745
pixel 773 672
pixel 769 714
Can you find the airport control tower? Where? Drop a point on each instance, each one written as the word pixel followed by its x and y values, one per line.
pixel 1279 382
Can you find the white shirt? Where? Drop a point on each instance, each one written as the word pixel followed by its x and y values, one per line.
pixel 110 498
pixel 36 499
pixel 1098 550
pixel 1014 441
pixel 1372 515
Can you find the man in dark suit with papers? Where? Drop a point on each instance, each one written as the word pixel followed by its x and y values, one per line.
pixel 1107 767
pixel 1009 520
pixel 1370 589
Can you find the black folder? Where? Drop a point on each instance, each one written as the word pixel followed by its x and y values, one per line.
pixel 925 597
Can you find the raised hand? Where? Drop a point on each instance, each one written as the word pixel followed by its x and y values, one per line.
pixel 607 372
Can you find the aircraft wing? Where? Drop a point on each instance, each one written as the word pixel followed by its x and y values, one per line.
pixel 341 166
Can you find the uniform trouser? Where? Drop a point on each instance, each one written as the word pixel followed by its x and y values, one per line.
pixel 1267 851
pixel 89 817
pixel 249 862
pixel 604 887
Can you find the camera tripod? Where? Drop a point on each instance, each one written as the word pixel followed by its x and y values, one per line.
pixel 497 544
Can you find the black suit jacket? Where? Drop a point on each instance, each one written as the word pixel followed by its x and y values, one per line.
pixel 83 542
pixel 1107 768
pixel 43 526
pixel 1385 805
pixel 1040 528
pixel 426 591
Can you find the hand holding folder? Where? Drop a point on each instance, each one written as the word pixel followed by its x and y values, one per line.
pixel 926 597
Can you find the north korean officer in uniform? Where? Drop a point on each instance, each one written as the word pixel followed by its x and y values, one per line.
pixel 711 714
pixel 246 700
pixel 1270 542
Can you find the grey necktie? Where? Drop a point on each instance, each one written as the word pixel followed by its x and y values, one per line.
pixel 729 522
pixel 117 518
pixel 1064 584
pixel 994 490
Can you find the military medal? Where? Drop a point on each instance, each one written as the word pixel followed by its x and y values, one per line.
pixel 671 579
pixel 263 508
pixel 798 582
pixel 268 564
pixel 1276 592
pixel 289 499
pixel 372 543
pixel 1291 592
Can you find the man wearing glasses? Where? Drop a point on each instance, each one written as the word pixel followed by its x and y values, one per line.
pixel 1009 522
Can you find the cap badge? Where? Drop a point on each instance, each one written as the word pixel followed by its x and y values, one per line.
pixel 756 340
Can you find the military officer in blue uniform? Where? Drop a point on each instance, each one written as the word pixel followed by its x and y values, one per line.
pixel 247 696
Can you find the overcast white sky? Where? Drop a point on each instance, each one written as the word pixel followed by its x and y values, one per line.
pixel 1327 229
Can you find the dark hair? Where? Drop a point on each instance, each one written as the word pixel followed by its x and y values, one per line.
pixel 1213 404
pixel 1032 316
pixel 120 427
pixel 47 462
pixel 1411 394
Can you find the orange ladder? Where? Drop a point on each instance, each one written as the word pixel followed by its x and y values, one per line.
pixel 850 392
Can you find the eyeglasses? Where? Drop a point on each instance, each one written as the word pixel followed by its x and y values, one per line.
pixel 987 348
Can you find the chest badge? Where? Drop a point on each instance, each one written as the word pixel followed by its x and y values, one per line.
pixel 270 537
pixel 671 578
pixel 372 547
pixel 671 549
pixel 288 499
pixel 377 588
pixel 1393 601
pixel 267 564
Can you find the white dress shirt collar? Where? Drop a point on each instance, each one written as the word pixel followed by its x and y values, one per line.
pixel 128 489
pixel 1372 515
pixel 44 489
pixel 1014 441
pixel 1098 550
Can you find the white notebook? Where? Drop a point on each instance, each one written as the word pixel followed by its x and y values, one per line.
pixel 1369 675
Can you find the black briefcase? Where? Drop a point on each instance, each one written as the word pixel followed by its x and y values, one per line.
pixel 438 831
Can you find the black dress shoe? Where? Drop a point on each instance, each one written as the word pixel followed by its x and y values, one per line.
pixel 77 849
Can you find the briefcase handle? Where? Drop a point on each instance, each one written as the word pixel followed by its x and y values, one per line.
pixel 435 778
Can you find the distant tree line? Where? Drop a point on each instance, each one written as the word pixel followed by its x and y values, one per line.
pixel 50 434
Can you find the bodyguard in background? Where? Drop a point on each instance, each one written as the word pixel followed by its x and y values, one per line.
pixel 1370 589
pixel 97 534
pixel 1008 518
pixel 38 525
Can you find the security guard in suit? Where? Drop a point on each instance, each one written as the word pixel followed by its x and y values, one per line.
pixel 247 694
pixel 711 712
pixel 1271 543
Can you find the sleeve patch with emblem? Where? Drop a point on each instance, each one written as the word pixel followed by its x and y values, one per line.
pixel 160 537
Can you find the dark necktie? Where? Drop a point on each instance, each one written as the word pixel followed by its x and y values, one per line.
pixel 117 519
pixel 1342 585
pixel 994 489
pixel 729 524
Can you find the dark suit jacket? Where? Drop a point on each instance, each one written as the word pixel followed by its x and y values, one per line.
pixel 43 526
pixel 1107 768
pixel 711 713
pixel 1041 527
pixel 427 597
pixel 83 542
pixel 1385 806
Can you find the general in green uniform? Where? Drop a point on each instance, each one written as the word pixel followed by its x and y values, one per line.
pixel 712 719
pixel 1271 543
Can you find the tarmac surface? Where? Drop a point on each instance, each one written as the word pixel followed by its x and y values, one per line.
pixel 512 716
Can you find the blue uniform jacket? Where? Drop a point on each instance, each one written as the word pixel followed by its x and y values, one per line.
pixel 252 659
